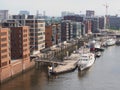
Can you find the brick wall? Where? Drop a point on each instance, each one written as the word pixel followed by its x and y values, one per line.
pixel 27 64
pixel 5 73
pixel 14 69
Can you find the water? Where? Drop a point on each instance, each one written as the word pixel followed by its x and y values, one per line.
pixel 103 75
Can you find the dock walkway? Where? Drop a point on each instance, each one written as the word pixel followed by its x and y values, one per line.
pixel 70 64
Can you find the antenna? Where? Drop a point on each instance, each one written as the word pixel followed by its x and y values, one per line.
pixel 106 7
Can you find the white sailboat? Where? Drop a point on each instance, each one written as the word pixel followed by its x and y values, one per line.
pixel 86 61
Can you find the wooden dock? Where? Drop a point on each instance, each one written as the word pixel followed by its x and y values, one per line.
pixel 69 64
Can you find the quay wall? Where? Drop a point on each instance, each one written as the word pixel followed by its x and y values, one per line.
pixel 14 69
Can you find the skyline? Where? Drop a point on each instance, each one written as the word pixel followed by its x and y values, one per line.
pixel 54 8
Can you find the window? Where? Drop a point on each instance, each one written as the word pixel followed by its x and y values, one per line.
pixel 25 49
pixel 4 50
pixel 25 45
pixel 4 64
pixel 19 31
pixel 4 56
pixel 41 25
pixel 25 56
pixel 25 35
pixel 3 45
pixel 3 39
pixel 24 40
pixel 25 30
pixel 31 34
pixel 39 29
pixel 3 33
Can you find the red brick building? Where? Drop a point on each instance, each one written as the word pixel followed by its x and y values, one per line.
pixel 48 36
pixel 4 47
pixel 87 26
pixel 20 43
pixel 15 52
pixel 52 34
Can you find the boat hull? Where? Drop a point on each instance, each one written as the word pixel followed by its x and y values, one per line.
pixel 81 68
pixel 110 42
pixel 82 65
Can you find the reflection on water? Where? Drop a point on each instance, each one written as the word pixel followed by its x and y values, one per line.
pixel 103 75
pixel 83 73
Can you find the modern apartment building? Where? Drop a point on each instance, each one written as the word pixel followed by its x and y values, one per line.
pixel 58 33
pixel 3 14
pixel 23 12
pixel 37 30
pixel 76 18
pixel 66 30
pixel 76 29
pixel 94 23
pixel 66 13
pixel 97 23
pixel 101 22
pixel 4 47
pixel 90 13
pixel 52 34
pixel 87 26
pixel 83 29
pixel 113 22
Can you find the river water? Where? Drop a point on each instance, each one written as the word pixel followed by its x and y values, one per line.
pixel 103 75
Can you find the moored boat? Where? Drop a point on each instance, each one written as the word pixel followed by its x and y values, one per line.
pixel 110 42
pixel 97 54
pixel 86 61
pixel 118 42
pixel 98 47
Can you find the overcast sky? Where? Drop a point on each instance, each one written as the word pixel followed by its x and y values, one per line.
pixel 55 7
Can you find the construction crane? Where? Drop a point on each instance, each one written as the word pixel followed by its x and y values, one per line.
pixel 106 8
pixel 106 16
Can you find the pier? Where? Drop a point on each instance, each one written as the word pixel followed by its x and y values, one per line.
pixel 69 65
pixel 40 62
